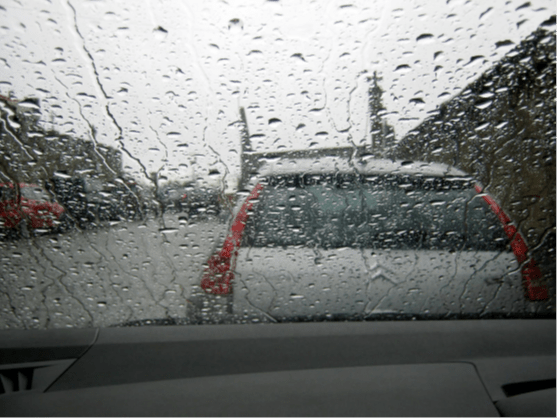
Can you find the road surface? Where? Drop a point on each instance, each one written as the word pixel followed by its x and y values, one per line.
pixel 124 272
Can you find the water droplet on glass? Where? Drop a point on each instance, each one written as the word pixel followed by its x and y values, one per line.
pixel 425 38
pixel 235 25
pixel 484 104
pixel 404 68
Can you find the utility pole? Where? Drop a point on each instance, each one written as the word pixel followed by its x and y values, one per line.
pixel 246 160
pixel 382 134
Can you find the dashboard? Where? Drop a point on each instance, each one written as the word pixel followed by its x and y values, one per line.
pixel 408 368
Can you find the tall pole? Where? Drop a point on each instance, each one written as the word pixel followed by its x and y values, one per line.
pixel 246 161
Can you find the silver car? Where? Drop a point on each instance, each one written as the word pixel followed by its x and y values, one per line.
pixel 333 238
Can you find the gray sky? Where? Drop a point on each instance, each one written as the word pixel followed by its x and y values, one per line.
pixel 164 79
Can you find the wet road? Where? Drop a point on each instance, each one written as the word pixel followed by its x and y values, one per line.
pixel 123 272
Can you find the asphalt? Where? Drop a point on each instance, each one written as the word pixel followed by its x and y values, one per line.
pixel 118 273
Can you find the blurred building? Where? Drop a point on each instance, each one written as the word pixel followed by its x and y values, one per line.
pixel 28 152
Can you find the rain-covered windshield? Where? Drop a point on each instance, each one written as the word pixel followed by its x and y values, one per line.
pixel 265 160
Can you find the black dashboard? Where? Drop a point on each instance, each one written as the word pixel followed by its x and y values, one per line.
pixel 408 368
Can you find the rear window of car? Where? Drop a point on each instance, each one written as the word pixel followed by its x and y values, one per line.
pixel 381 211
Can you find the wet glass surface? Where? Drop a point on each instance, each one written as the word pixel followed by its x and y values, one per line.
pixel 203 162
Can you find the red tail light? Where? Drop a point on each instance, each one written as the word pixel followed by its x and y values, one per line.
pixel 219 274
pixel 531 273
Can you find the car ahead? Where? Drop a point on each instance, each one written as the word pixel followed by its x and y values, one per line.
pixel 201 202
pixel 30 207
pixel 331 238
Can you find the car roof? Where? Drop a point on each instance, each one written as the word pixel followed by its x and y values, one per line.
pixel 365 165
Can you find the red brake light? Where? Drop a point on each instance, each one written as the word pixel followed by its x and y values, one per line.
pixel 218 276
pixel 531 273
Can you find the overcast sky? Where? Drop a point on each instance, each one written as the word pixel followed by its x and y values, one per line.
pixel 163 80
